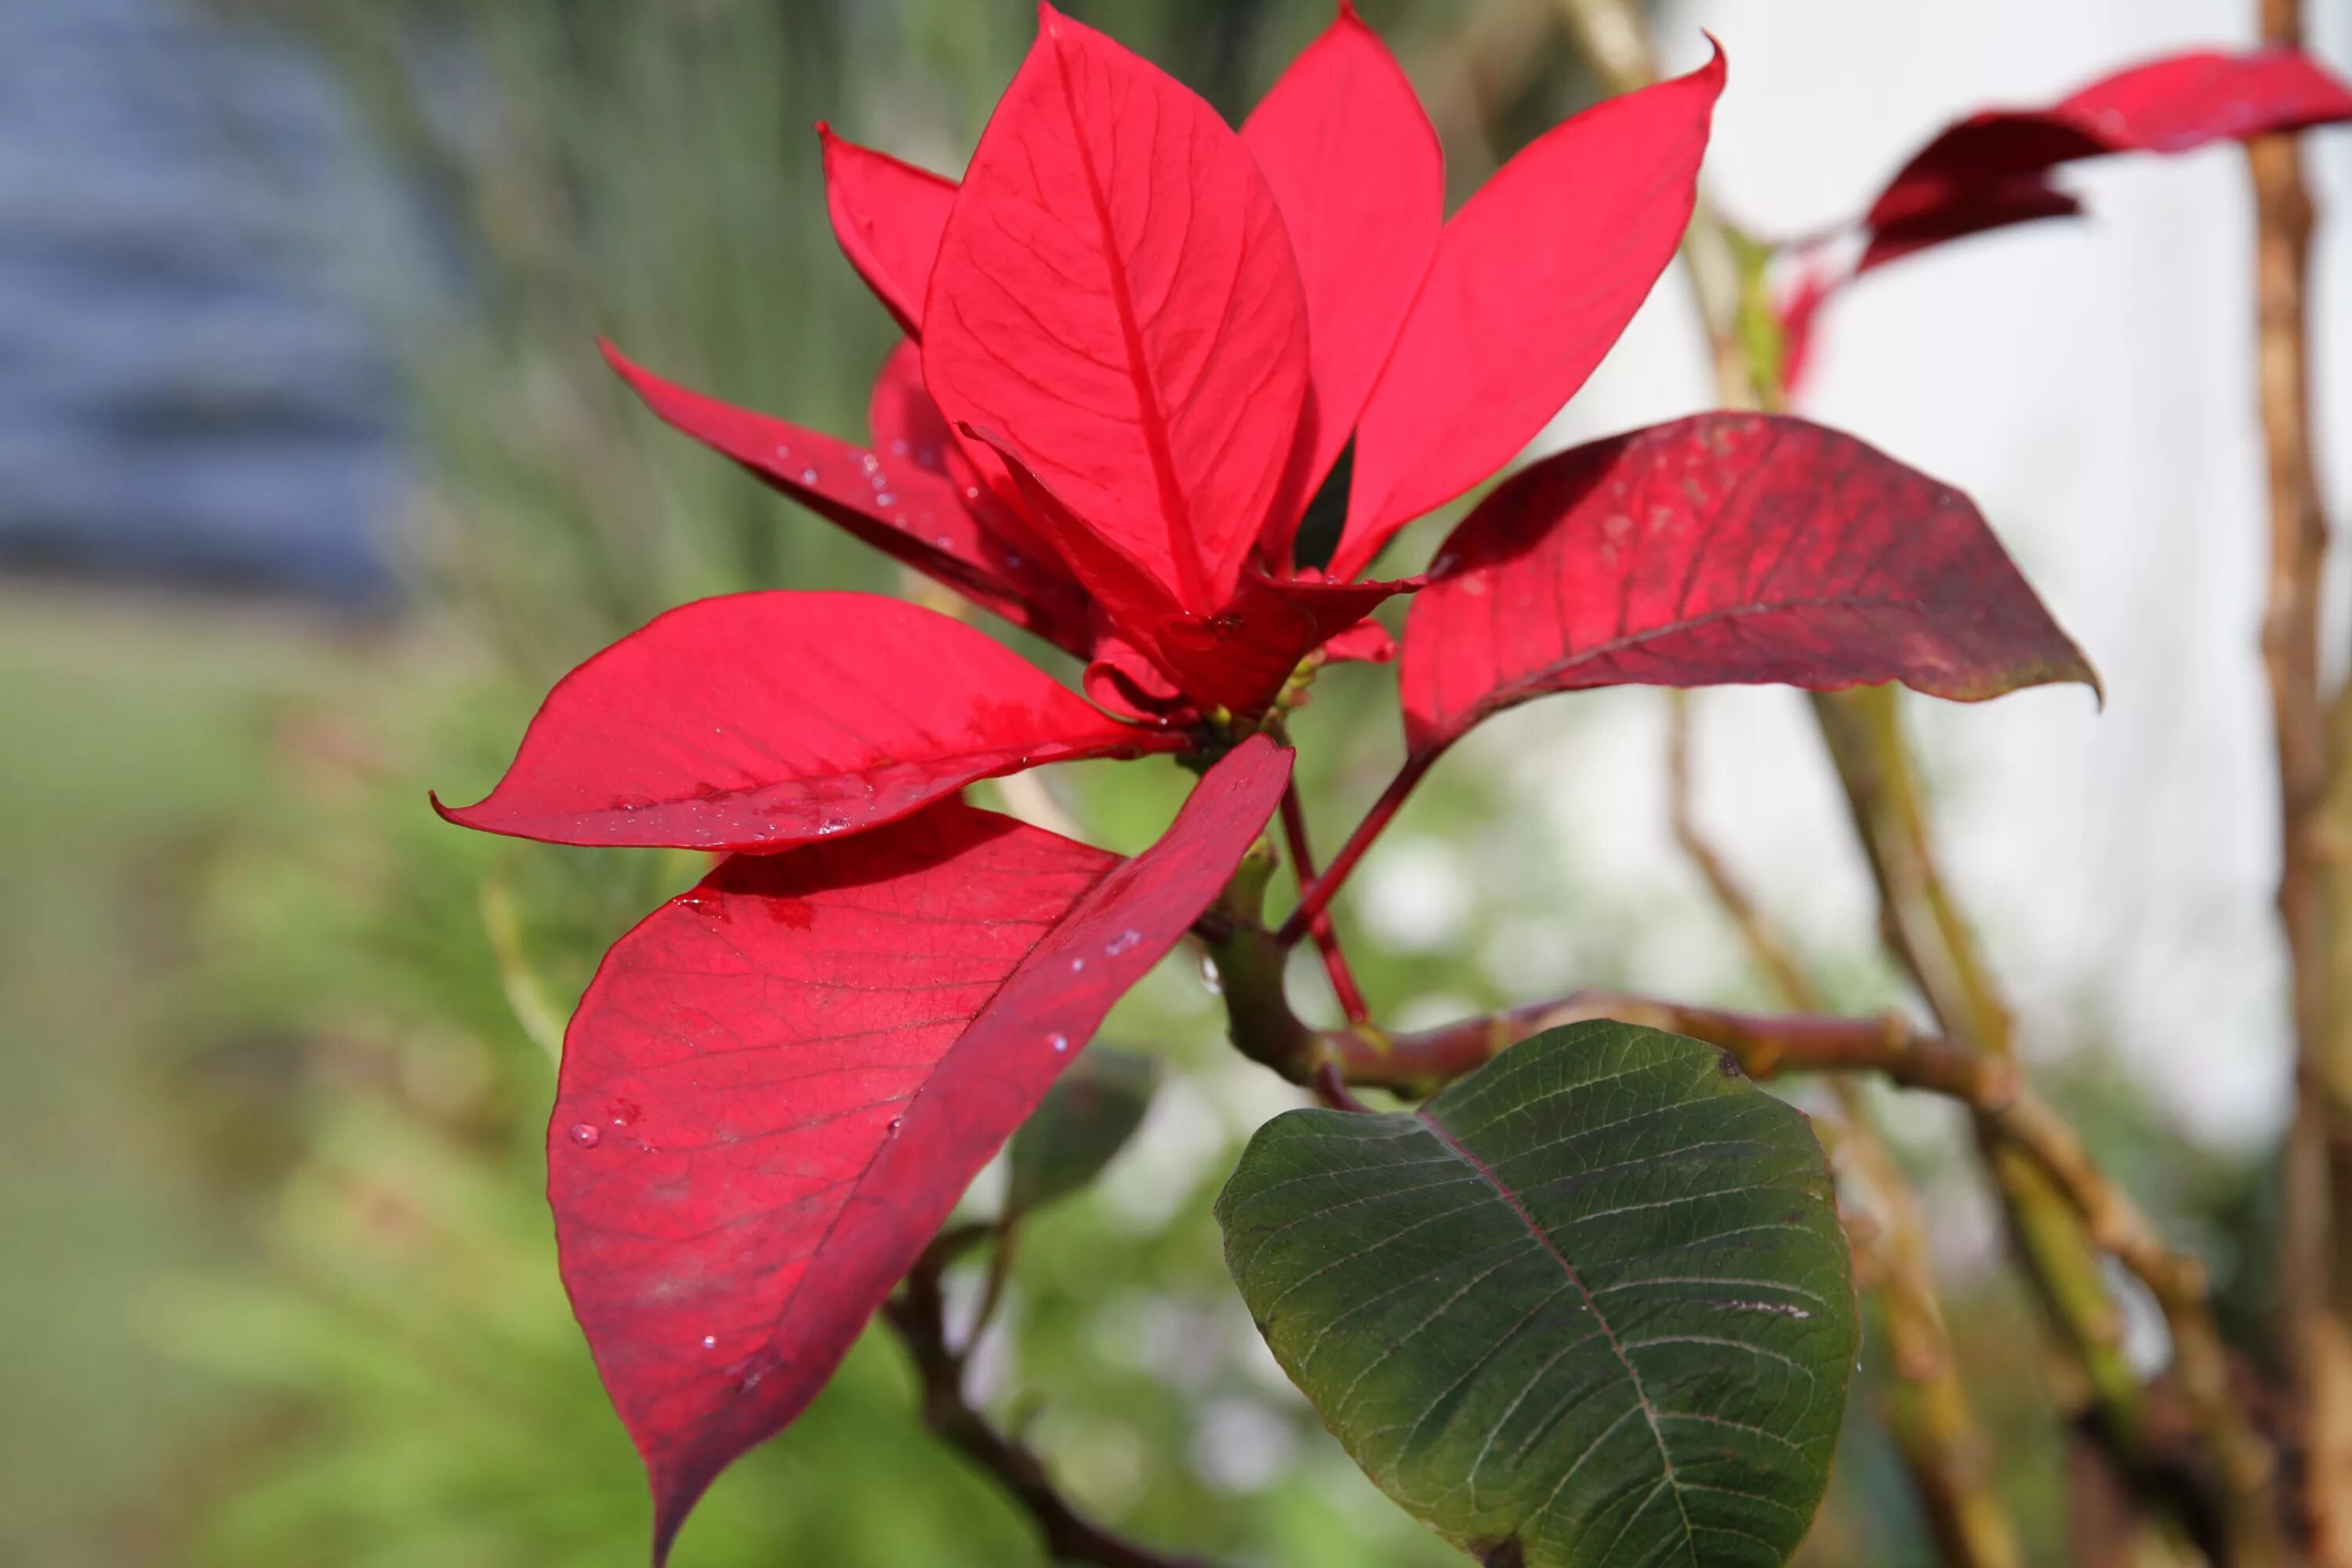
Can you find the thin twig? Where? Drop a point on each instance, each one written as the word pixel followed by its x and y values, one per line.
pixel 1327 939
pixel 2314 1176
pixel 1931 1417
pixel 1923 927
pixel 916 1314
pixel 2009 1115
pixel 1316 897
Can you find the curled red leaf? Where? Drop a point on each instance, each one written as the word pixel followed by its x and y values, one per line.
pixel 1533 281
pixel 1114 298
pixel 757 722
pixel 1725 549
pixel 779 1083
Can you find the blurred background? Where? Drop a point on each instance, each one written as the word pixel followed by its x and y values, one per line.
pixel 310 482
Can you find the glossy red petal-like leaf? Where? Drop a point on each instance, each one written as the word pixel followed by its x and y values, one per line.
pixel 1236 659
pixel 1726 549
pixel 1125 679
pixel 2170 105
pixel 1534 279
pixel 887 215
pixel 1366 643
pixel 1354 165
pixel 1239 657
pixel 1114 298
pixel 779 1082
pixel 762 720
pixel 909 512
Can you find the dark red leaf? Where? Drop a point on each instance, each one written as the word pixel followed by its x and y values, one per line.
pixel 2170 105
pixel 1726 549
pixel 887 215
pixel 1992 170
pixel 1114 297
pixel 1355 168
pixel 1534 279
pixel 779 1083
pixel 905 511
pixel 762 720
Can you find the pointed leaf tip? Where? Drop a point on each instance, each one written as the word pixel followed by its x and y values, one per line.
pixel 739 724
pixel 779 1084
pixel 1533 281
pixel 1115 296
pixel 1722 549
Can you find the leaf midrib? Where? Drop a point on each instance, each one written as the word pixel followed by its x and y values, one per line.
pixel 1486 1174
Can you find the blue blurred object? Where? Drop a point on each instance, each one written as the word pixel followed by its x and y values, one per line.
pixel 184 395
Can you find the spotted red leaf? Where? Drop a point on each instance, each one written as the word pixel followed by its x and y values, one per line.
pixel 908 511
pixel 1355 168
pixel 779 1084
pixel 1116 299
pixel 1534 279
pixel 760 720
pixel 887 215
pixel 1726 549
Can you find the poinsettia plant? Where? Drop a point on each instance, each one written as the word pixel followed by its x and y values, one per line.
pixel 1583 1301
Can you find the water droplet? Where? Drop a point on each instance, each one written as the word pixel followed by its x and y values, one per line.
pixel 944 541
pixel 1210 978
pixel 808 476
pixel 622 1112
pixel 886 499
pixel 897 449
pixel 1125 942
pixel 972 493
pixel 782 450
pixel 1076 964
pixel 928 457
pixel 896 1123
pixel 1013 562
pixel 585 1135
pixel 710 1341
pixel 833 824
pixel 1059 1042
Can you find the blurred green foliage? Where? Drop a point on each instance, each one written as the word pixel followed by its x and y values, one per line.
pixel 298 1172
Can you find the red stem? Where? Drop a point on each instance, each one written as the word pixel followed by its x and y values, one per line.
pixel 1316 897
pixel 1327 940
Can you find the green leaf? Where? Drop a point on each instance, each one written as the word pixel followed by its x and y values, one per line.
pixel 1085 1119
pixel 1591 1305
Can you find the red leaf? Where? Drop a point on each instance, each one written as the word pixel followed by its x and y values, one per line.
pixel 887 215
pixel 1114 298
pixel 2170 105
pixel 779 1084
pixel 1236 659
pixel 1726 549
pixel 1534 279
pixel 1354 165
pixel 762 720
pixel 907 511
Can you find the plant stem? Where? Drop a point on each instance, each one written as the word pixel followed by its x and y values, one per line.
pixel 1327 940
pixel 916 1313
pixel 1930 1415
pixel 1316 896
pixel 1923 929
pixel 2316 1168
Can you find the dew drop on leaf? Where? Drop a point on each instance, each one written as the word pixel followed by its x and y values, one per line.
pixel 585 1135
pixel 710 1341
pixel 1060 1042
pixel 808 476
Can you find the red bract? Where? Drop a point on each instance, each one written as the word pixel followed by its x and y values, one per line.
pixel 1138 342
pixel 1992 170
pixel 1175 330
pixel 1719 550
pixel 762 720
pixel 781 1082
